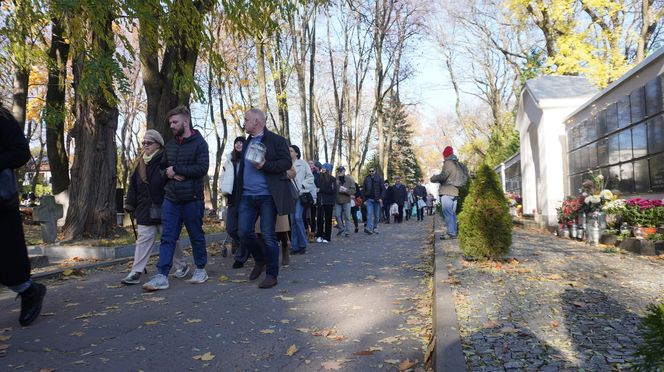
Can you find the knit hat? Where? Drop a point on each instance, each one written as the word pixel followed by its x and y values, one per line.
pixel 318 165
pixel 448 151
pixel 328 167
pixel 239 139
pixel 341 168
pixel 154 136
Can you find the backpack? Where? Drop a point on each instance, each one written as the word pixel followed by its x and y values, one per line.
pixel 461 177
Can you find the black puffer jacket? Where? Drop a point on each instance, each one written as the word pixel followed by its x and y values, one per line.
pixel 327 189
pixel 139 198
pixel 190 159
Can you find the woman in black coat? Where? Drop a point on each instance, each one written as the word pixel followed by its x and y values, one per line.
pixel 144 199
pixel 327 196
pixel 14 262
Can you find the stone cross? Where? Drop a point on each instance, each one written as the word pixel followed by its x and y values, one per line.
pixel 48 212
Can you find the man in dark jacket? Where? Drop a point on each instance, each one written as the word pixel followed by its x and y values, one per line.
pixel 264 191
pixel 184 164
pixel 373 196
pixel 420 193
pixel 14 262
pixel 399 196
pixel 387 201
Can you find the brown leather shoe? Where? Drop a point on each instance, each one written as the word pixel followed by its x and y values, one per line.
pixel 257 271
pixel 269 282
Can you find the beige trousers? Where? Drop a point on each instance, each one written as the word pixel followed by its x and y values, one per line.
pixel 146 241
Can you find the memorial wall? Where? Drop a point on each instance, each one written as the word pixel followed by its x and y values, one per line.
pixel 623 140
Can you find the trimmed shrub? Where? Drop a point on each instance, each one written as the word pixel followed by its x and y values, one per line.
pixel 485 225
pixel 463 193
pixel 652 349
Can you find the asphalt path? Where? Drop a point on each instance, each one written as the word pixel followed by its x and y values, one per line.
pixel 359 303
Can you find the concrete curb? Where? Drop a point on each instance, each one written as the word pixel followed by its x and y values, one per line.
pixel 209 238
pixel 448 355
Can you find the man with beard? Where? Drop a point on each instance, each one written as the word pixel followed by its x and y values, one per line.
pixel 184 164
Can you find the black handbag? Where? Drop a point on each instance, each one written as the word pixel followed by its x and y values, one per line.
pixel 155 212
pixel 306 198
pixel 8 188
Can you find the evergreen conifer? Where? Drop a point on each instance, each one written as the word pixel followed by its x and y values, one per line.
pixel 485 225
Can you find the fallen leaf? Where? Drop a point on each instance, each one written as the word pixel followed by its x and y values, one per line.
pixel 407 364
pixel 239 281
pixel 291 350
pixel 285 321
pixel 5 338
pixel 152 322
pixel 392 361
pixel 79 334
pixel 303 330
pixel 189 321
pixel 334 364
pixel 284 298
pixel 110 286
pixel 489 324
pixel 4 346
pixel 47 370
pixel 363 352
pixel 223 278
pixel 140 348
pixel 154 299
pixel 204 357
pixel 389 340
pixel 579 304
pixel 376 348
pixel 267 331
pixel 555 324
pixel 67 272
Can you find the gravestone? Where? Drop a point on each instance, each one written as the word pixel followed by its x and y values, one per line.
pixel 47 213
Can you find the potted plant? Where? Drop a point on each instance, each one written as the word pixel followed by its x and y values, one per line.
pixel 644 213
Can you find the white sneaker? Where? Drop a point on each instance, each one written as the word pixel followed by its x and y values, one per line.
pixel 182 272
pixel 319 240
pixel 325 241
pixel 200 276
pixel 157 282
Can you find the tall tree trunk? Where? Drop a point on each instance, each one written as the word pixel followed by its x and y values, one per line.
pixel 261 79
pixel 178 61
pixel 312 61
pixel 55 108
pixel 20 95
pixel 299 59
pixel 94 174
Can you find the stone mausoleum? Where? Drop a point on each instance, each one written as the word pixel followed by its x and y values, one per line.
pixel 568 128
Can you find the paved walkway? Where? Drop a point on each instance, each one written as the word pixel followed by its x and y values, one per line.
pixel 556 305
pixel 360 303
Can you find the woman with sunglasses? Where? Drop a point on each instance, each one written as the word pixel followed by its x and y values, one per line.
pixel 144 199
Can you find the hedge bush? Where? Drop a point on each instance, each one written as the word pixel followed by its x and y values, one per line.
pixel 652 349
pixel 485 224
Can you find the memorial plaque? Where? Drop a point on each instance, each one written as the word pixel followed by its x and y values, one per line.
pixel 613 180
pixel 640 140
pixel 641 176
pixel 575 184
pixel 570 140
pixel 603 152
pixel 592 155
pixel 624 118
pixel 591 130
pixel 627 178
pixel 600 121
pixel 614 149
pixel 637 104
pixel 656 134
pixel 657 173
pixel 611 117
pixel 583 133
pixel 625 145
pixel 583 159
pixel 653 91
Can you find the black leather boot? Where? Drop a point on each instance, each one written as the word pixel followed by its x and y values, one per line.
pixel 31 303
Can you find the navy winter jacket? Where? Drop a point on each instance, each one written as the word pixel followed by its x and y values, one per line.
pixel 190 159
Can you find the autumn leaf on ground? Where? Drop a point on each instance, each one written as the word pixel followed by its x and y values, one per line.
pixel 392 361
pixel 284 321
pixel 267 331
pixel 223 278
pixel 4 346
pixel 303 330
pixel 67 272
pixel 489 324
pixel 334 364
pixel 284 298
pixel 363 352
pixel 79 334
pixel 204 357
pixel 152 322
pixel 291 350
pixel 154 299
pixel 407 364
pixel 389 340
pixel 47 370
pixel 4 338
pixel 189 321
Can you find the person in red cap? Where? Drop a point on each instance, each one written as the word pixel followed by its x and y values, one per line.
pixel 450 179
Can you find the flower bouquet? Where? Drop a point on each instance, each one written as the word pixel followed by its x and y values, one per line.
pixel 643 212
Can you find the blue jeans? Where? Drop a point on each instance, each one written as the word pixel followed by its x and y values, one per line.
pixel 173 215
pixel 249 209
pixel 373 211
pixel 449 204
pixel 298 235
pixel 342 213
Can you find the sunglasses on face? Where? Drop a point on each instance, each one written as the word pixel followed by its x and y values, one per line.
pixel 371 171
pixel 148 143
